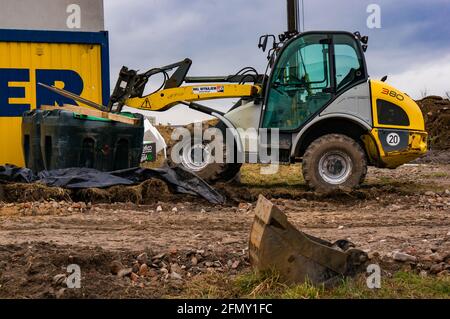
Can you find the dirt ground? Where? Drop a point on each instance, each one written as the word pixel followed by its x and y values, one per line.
pixel 145 242
pixel 405 210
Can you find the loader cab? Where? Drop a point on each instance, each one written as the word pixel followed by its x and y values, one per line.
pixel 310 71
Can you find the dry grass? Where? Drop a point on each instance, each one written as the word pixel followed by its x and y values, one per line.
pixel 287 175
pixel 18 192
pixel 250 285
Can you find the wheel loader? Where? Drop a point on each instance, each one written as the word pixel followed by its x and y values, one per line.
pixel 316 93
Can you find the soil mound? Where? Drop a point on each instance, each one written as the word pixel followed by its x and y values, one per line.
pixel 436 112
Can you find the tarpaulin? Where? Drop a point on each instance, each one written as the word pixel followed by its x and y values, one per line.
pixel 178 179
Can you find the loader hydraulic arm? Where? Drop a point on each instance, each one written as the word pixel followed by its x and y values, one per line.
pixel 130 87
pixel 164 99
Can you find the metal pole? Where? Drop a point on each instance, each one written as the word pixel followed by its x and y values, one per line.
pixel 292 16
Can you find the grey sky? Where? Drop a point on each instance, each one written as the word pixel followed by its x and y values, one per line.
pixel 412 47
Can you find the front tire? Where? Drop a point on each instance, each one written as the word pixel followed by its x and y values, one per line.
pixel 334 161
pixel 210 172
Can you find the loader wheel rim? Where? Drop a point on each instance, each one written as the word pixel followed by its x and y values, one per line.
pixel 335 167
pixel 196 163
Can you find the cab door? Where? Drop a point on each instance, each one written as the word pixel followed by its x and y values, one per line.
pixel 300 84
pixel 310 72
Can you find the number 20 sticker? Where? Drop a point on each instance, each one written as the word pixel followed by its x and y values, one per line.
pixel 393 139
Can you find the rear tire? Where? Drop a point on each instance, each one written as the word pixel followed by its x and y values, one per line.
pixel 334 161
pixel 211 173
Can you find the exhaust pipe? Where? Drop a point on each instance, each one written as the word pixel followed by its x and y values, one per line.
pixel 292 16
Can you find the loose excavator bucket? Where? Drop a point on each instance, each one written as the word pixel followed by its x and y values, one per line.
pixel 275 244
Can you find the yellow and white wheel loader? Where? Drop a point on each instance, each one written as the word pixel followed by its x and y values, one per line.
pixel 316 92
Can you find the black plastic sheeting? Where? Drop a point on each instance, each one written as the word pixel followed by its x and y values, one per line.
pixel 178 179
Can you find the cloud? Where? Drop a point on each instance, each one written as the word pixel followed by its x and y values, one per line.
pixel 432 78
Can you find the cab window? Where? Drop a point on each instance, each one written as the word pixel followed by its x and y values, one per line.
pixel 349 64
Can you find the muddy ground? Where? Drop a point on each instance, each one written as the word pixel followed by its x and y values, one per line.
pixel 405 210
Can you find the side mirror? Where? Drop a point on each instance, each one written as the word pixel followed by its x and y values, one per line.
pixel 262 44
pixel 384 78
